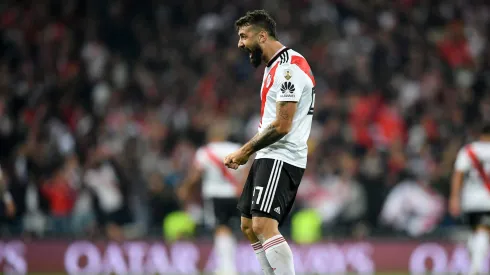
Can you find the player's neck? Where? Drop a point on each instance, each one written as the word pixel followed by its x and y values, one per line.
pixel 215 140
pixel 485 138
pixel 272 49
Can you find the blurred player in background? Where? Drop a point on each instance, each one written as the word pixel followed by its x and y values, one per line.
pixel 412 206
pixel 287 101
pixel 220 190
pixel 7 206
pixel 470 196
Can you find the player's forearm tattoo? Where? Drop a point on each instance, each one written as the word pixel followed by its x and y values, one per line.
pixel 271 134
pixel 267 137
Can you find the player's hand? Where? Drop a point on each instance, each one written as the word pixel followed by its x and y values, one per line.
pixel 236 159
pixel 454 206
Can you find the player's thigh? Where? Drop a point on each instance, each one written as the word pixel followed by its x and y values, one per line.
pixel 276 185
pixel 245 200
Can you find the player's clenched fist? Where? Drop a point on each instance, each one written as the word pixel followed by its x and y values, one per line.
pixel 236 159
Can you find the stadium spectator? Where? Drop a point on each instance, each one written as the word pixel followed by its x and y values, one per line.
pixel 109 185
pixel 61 197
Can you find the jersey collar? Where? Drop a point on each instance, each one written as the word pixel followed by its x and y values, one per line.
pixel 274 58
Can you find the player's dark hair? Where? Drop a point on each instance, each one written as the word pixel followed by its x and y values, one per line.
pixel 485 129
pixel 259 18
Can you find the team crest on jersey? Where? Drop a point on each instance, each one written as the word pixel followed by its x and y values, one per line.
pixel 287 74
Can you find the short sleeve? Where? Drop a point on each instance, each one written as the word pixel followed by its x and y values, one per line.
pixel 199 158
pixel 463 162
pixel 291 81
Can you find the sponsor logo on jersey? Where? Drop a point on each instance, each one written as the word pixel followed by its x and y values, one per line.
pixel 287 86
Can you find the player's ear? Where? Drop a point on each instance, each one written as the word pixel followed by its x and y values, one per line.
pixel 262 36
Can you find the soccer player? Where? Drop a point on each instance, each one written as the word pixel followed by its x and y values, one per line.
pixel 220 190
pixel 412 206
pixel 287 99
pixel 7 209
pixel 470 194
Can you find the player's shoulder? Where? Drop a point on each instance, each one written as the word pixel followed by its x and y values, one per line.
pixel 469 146
pixel 295 61
pixel 482 147
pixel 463 151
pixel 290 57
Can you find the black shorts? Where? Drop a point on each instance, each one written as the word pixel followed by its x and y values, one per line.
pixel 477 218
pixel 270 189
pixel 119 217
pixel 221 211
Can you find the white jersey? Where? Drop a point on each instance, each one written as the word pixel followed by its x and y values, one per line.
pixel 105 183
pixel 413 208
pixel 475 196
pixel 209 159
pixel 288 77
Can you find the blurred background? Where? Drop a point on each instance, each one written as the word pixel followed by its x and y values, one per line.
pixel 104 103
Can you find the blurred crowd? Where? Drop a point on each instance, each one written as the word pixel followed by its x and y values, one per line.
pixel 103 104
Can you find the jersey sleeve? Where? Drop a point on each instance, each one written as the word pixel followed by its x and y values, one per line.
pixel 463 162
pixel 291 81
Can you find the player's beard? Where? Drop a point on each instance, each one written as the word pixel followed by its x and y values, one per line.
pixel 255 55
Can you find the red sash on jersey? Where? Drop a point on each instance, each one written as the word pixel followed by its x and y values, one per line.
pixel 224 171
pixel 479 167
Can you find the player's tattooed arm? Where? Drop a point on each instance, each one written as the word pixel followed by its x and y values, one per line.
pixel 269 136
pixel 276 130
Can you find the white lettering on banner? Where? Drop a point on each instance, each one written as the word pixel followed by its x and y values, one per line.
pixel 82 249
pixel 211 264
pixel 246 261
pixel 298 259
pixel 359 257
pixel 12 254
pixel 459 261
pixel 158 261
pixel 84 257
pixel 185 257
pixel 431 251
pixel 136 254
pixel 333 258
pixel 114 260
pixel 442 262
pixel 138 258
pixel 326 259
